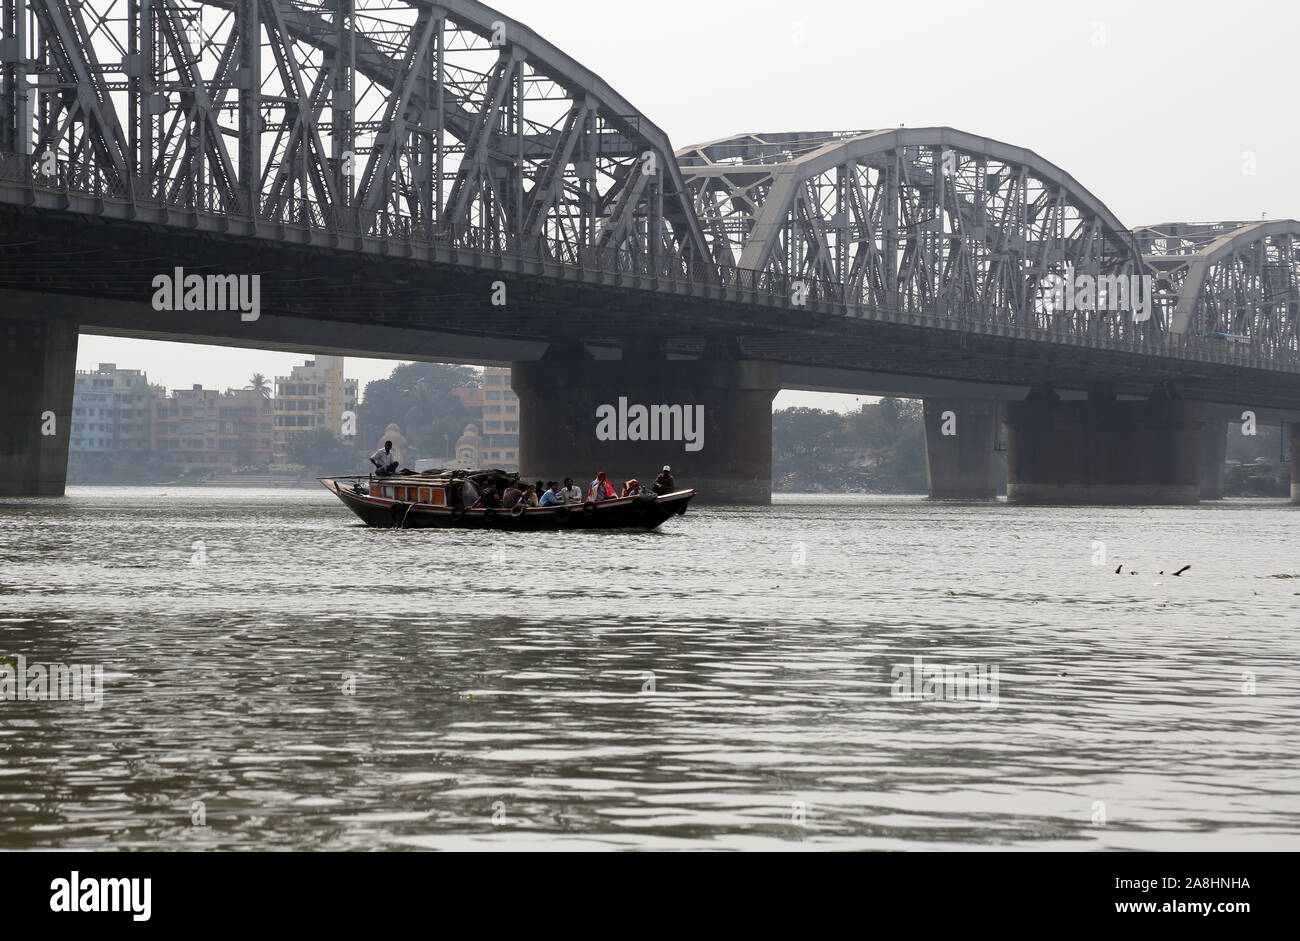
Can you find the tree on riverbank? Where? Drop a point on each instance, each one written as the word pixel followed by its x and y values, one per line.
pixel 1256 465
pixel 322 453
pixel 417 397
pixel 878 449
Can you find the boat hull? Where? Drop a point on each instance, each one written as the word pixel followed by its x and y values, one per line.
pixel 624 513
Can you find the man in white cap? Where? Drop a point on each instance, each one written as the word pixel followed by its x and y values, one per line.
pixel 664 483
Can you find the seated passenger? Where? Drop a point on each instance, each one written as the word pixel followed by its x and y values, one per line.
pixel 512 495
pixel 664 483
pixel 570 491
pixel 601 489
pixel 549 498
pixel 529 498
pixel 631 487
pixel 490 499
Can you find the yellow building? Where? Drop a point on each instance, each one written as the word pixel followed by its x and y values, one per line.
pixel 500 435
pixel 314 395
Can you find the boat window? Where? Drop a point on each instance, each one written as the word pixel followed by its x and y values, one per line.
pixel 424 494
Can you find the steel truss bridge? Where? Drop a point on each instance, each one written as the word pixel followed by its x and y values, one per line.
pixel 384 162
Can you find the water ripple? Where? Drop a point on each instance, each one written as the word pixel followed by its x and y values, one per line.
pixel 277 677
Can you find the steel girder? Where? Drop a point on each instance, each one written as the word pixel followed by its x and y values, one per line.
pixel 1233 282
pixel 390 118
pixel 448 125
pixel 917 219
pixel 731 177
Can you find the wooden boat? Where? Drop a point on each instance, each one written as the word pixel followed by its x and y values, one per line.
pixel 432 500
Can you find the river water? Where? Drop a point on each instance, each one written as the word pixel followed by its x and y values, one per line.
pixel 277 676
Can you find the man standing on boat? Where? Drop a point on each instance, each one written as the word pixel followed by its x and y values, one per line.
pixel 383 460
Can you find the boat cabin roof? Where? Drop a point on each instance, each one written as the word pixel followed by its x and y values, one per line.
pixel 440 478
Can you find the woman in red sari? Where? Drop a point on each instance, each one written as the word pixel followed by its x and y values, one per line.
pixel 601 489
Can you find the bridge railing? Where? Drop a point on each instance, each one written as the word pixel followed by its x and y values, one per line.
pixel 654 266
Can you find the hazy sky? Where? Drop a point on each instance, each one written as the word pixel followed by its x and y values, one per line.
pixel 1165 110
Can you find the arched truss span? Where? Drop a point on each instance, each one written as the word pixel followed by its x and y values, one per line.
pixel 412 119
pixel 1230 282
pixel 393 118
pixel 731 177
pixel 913 219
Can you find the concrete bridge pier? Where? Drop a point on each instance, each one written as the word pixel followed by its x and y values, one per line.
pixel 1214 457
pixel 1103 451
pixel 961 457
pixel 1293 435
pixel 38 367
pixel 710 420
